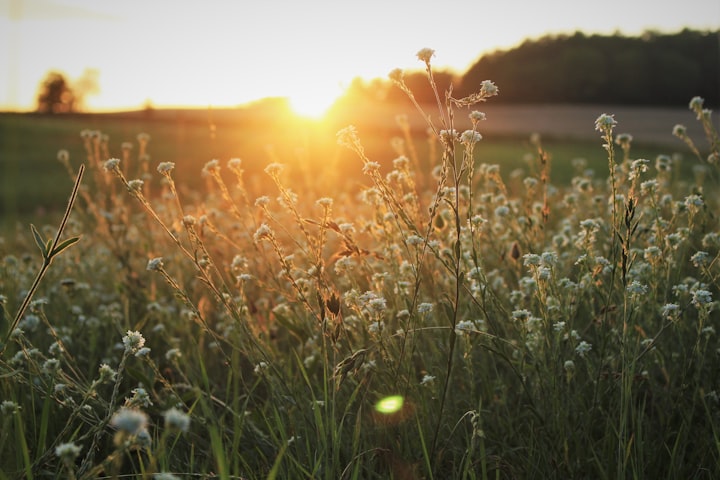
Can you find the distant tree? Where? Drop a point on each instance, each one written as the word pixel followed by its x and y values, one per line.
pixel 55 94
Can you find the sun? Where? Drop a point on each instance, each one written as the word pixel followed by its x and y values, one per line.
pixel 313 102
pixel 309 106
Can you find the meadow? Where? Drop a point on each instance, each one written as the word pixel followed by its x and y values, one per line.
pixel 415 302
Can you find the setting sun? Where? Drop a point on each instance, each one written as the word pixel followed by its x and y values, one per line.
pixel 312 103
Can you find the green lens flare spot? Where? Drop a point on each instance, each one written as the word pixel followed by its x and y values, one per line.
pixel 390 404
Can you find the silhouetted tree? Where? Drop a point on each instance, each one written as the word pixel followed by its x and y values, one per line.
pixel 55 94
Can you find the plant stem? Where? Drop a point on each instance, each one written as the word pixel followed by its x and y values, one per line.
pixel 47 260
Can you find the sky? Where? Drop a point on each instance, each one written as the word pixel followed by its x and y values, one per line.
pixel 229 52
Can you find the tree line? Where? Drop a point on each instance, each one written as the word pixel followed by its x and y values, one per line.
pixel 652 69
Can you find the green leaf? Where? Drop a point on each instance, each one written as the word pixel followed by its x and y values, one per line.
pixel 39 240
pixel 64 245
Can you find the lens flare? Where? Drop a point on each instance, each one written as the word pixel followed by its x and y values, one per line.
pixel 390 405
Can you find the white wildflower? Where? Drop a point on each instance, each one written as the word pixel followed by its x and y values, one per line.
pixel 325 202
pixel 264 231
pixel 425 308
pixel 173 354
pixel 583 348
pixel 425 55
pixel 700 259
pixel 414 240
pixel 488 89
pixel 679 131
pixel 605 122
pixel 670 310
pixel 470 137
pixel 133 341
pixel 8 407
pixel 107 374
pixel 140 398
pixel 463 327
pixel 129 420
pixel 155 264
pixel 165 167
pixel 701 297
pixel 135 185
pixel 476 116
pixel 260 368
pixel 112 165
pixel 176 420
pixel 274 169
pixel 67 452
pixel 211 168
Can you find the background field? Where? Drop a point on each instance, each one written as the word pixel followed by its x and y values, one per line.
pixel 34 184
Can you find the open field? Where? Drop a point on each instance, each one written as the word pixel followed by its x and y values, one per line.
pixel 34 183
pixel 359 307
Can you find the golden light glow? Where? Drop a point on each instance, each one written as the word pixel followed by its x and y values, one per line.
pixel 313 99
pixel 310 106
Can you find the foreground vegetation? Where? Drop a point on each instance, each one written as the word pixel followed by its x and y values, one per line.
pixel 446 322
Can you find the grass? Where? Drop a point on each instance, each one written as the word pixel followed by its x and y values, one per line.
pixel 417 313
pixel 34 186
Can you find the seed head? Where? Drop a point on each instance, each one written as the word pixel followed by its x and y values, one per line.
pixel 107 374
pixel 8 407
pixel 425 55
pixel 396 75
pixel 176 420
pixel 605 123
pixel 165 167
pixel 348 137
pixel 264 231
pixel 133 341
pixel 274 169
pixel 211 168
pixel 129 420
pixel 112 165
pixel 155 264
pixel 135 185
pixel 470 137
pixel 67 452
pixel 488 89
pixel 679 131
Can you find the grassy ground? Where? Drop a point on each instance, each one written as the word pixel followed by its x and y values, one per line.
pixel 453 308
pixel 34 184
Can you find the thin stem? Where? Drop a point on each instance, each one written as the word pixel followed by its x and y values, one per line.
pixel 47 260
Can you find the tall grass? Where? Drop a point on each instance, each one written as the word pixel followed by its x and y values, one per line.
pixel 451 322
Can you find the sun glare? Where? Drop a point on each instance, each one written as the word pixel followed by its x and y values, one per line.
pixel 312 104
pixel 309 107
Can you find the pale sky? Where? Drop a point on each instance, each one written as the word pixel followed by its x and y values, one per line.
pixel 228 52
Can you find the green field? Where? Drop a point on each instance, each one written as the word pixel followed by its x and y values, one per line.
pixel 34 183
